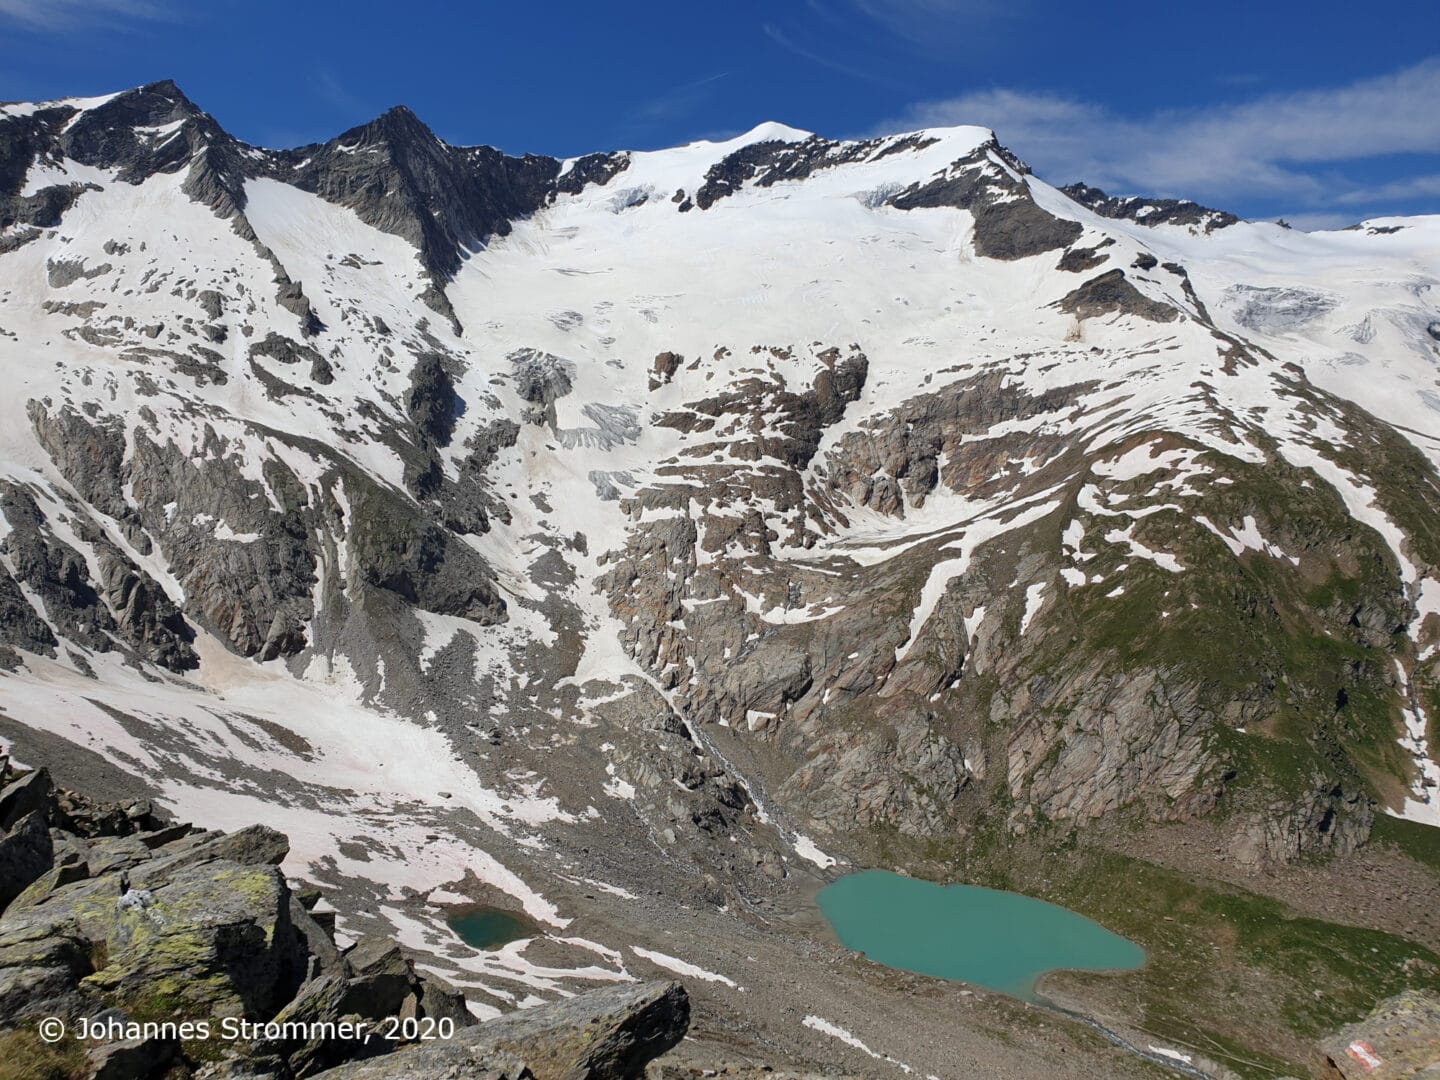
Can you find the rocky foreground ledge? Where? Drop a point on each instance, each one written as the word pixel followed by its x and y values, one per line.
pixel 112 916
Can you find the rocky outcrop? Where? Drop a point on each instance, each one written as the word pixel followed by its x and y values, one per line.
pixel 247 552
pixel 541 380
pixel 988 183
pixel 1112 293
pixel 21 625
pixel 1400 1039
pixel 432 403
pixel 399 177
pixel 1147 211
pixel 26 853
pixel 123 605
pixel 1334 820
pixel 399 550
pixel 1008 222
pixel 107 909
pixel 770 161
pixel 281 349
pixel 663 368
pixel 608 1034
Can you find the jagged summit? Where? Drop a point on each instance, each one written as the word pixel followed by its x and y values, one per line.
pixel 397 125
pixel 1149 211
pixel 398 176
pixel 448 200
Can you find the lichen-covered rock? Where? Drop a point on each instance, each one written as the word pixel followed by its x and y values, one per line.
pixel 43 957
pixel 158 921
pixel 214 940
pixel 61 873
pixel 131 1059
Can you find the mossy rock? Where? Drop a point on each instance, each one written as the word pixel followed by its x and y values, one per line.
pixel 216 940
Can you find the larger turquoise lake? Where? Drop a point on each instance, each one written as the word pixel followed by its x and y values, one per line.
pixel 1002 941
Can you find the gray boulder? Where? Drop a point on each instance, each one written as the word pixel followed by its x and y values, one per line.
pixel 607 1034
pixel 24 796
pixel 216 940
pixel 26 852
pixel 66 869
pixel 131 1059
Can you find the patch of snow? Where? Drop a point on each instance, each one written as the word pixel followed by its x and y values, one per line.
pixel 835 1031
pixel 807 849
pixel 682 967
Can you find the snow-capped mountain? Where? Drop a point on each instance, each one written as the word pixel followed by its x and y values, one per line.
pixel 697 519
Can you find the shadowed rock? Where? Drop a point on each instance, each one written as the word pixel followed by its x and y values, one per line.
pixel 1110 293
pixel 608 1034
pixel 25 854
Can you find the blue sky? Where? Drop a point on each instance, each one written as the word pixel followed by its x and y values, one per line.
pixel 1324 112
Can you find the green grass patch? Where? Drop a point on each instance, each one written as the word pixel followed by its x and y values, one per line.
pixel 1420 842
pixel 25 1056
pixel 1235 975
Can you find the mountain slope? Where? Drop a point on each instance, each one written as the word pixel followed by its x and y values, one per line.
pixel 505 527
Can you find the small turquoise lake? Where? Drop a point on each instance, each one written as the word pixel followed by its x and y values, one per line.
pixel 488 928
pixel 999 940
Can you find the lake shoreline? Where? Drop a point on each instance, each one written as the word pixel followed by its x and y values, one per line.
pixel 995 940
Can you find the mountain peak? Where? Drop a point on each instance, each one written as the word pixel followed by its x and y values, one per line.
pixel 397 125
pixel 156 102
pixel 774 131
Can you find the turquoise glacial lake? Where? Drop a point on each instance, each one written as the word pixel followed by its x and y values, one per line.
pixel 488 928
pixel 999 940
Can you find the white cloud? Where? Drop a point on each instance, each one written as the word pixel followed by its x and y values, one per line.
pixel 933 22
pixel 1410 187
pixel 1275 144
pixel 67 14
pixel 779 37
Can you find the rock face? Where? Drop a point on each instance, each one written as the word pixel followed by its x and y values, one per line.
pixel 1400 1038
pixel 399 177
pixel 1110 293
